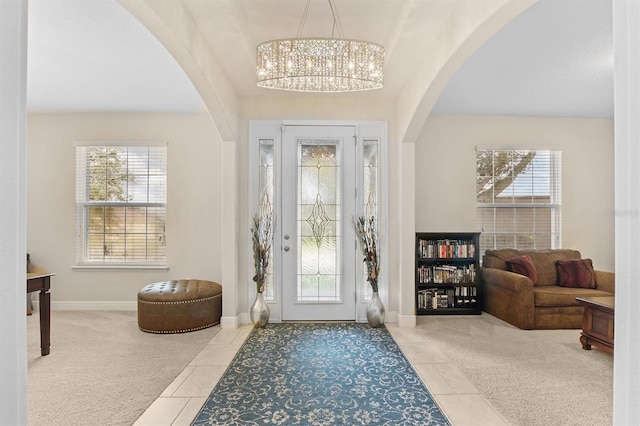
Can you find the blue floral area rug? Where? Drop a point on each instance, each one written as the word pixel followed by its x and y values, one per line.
pixel 320 374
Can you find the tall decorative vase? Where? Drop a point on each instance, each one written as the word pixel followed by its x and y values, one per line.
pixel 259 312
pixel 375 311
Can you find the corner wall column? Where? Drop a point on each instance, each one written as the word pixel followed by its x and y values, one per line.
pixel 626 370
pixel 13 268
pixel 406 211
pixel 230 229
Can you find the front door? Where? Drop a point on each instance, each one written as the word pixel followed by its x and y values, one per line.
pixel 317 242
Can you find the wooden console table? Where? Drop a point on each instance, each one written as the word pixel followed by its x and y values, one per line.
pixel 597 322
pixel 42 283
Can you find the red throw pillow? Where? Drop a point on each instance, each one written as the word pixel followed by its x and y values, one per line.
pixel 576 273
pixel 523 265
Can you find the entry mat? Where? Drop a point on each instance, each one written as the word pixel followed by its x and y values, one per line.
pixel 320 374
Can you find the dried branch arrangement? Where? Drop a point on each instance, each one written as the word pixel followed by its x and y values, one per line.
pixel 367 233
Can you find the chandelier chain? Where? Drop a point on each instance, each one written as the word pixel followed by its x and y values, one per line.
pixel 336 20
pixel 303 20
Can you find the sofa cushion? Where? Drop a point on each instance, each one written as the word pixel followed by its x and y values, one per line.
pixel 545 261
pixel 576 273
pixel 498 258
pixel 523 265
pixel 554 295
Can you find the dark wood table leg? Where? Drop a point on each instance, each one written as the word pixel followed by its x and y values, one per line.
pixel 45 320
pixel 585 343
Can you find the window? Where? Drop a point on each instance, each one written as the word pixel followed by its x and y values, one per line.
pixel 121 205
pixel 519 199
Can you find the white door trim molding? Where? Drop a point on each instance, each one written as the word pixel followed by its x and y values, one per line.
pixel 365 130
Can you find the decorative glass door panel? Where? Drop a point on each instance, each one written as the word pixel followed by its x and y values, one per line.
pixel 371 176
pixel 266 184
pixel 318 206
pixel 318 200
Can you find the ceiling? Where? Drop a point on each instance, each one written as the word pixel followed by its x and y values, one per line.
pixel 553 60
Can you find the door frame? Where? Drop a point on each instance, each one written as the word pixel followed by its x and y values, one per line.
pixel 272 130
pixel 344 139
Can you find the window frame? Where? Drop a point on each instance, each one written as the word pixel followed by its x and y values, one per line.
pixel 84 204
pixel 554 204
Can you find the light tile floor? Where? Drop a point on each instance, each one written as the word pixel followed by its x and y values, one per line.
pixel 457 398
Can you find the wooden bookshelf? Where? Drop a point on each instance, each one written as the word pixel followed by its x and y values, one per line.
pixel 447 273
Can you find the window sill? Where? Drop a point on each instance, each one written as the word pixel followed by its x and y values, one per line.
pixel 120 268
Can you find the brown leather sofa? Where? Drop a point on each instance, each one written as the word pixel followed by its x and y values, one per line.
pixel 513 298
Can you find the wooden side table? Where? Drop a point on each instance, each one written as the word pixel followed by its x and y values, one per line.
pixel 597 323
pixel 42 284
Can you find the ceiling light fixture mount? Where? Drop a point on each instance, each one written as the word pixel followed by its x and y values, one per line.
pixel 326 65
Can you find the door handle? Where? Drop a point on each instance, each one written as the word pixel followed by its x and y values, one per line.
pixel 286 248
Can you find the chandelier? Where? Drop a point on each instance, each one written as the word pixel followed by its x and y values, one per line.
pixel 320 64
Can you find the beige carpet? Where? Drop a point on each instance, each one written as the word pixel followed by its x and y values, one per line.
pixel 102 369
pixel 535 377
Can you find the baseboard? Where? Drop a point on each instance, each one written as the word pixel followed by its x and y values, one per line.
pixel 91 306
pixel 244 318
pixel 229 322
pixel 391 316
pixel 407 320
pixel 225 321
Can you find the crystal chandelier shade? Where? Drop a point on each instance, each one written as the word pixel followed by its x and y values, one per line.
pixel 320 65
pixel 317 64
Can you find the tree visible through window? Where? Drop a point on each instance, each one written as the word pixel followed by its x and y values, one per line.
pixel 121 204
pixel 519 198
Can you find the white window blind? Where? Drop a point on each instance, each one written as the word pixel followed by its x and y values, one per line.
pixel 519 198
pixel 121 204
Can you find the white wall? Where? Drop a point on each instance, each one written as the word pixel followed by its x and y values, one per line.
pixel 445 174
pixel 626 369
pixel 445 170
pixel 194 217
pixel 13 226
pixel 194 220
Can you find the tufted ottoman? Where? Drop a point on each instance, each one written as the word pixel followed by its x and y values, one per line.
pixel 178 306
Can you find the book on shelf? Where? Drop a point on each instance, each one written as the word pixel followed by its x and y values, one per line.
pixel 446 274
pixel 450 297
pixel 447 249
